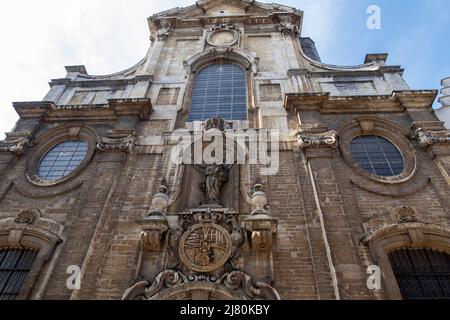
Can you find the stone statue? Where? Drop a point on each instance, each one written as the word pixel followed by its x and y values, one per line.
pixel 215 177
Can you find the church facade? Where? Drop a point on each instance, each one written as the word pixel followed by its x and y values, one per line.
pixel 230 163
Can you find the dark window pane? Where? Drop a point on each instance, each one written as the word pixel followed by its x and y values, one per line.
pixel 14 267
pixel 422 273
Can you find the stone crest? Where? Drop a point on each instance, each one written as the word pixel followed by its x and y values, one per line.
pixel 205 247
pixel 223 36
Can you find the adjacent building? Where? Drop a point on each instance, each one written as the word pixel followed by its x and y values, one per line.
pixel 443 113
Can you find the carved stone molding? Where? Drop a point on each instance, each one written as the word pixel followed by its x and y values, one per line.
pixel 153 229
pixel 321 140
pixel 154 226
pixel 430 138
pixel 260 204
pixel 160 200
pixel 367 125
pixel 163 34
pixel 169 284
pixel 286 25
pixel 126 144
pixel 216 123
pixel 287 28
pixel 16 147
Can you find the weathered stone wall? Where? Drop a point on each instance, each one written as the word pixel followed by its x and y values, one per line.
pixel 324 212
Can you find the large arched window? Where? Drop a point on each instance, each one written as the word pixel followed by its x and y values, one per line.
pixel 220 90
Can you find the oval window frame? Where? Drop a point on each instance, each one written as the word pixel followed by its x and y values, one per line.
pixel 55 138
pixel 392 132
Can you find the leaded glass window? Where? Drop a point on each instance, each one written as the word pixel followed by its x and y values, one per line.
pixel 220 90
pixel 62 160
pixel 15 265
pixel 422 273
pixel 377 155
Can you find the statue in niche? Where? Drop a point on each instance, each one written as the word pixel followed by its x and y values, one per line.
pixel 215 177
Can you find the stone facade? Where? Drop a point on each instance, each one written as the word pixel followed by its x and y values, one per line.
pixel 130 219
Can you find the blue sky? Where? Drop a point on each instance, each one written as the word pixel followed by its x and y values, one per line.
pixel 415 33
pixel 40 37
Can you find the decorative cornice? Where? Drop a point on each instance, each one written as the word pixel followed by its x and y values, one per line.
pixel 126 144
pixel 141 107
pixel 16 147
pixel 398 101
pixel 430 138
pixel 350 71
pixel 321 140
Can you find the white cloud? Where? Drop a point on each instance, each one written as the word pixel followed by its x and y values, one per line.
pixel 39 38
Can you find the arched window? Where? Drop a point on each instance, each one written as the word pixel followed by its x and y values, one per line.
pixel 377 155
pixel 14 267
pixel 220 90
pixel 422 273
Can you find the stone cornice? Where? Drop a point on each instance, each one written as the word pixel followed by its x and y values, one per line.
pixel 351 72
pixel 86 81
pixel 48 111
pixel 398 101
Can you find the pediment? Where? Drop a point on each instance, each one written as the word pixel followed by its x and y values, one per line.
pixel 217 8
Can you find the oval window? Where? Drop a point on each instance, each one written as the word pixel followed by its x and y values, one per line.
pixel 377 155
pixel 62 160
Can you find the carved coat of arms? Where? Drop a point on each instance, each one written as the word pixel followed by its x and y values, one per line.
pixel 205 247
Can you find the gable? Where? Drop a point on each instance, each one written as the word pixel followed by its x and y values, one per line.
pixel 212 8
